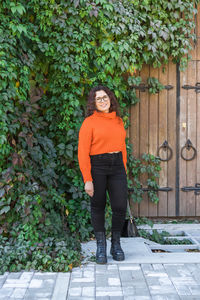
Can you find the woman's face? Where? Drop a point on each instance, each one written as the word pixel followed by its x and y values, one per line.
pixel 102 101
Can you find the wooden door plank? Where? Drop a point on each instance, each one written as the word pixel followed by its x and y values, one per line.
pixel 163 102
pixel 144 124
pixel 191 165
pixel 135 128
pixel 128 129
pixel 171 113
pixel 194 52
pixel 153 132
pixel 198 33
pixel 198 21
pixel 183 138
pixel 135 141
pixel 198 47
pixel 198 141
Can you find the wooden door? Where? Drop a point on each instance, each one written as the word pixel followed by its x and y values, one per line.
pixel 189 198
pixel 173 115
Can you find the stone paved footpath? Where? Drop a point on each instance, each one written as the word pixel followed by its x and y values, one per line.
pixel 106 282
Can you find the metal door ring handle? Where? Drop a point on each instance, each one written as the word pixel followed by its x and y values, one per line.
pixel 188 145
pixel 166 147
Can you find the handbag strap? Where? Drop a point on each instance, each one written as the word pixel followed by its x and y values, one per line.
pixel 129 211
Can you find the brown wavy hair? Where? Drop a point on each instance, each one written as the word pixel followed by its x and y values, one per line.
pixel 91 107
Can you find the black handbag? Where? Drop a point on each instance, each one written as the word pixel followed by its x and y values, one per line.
pixel 129 228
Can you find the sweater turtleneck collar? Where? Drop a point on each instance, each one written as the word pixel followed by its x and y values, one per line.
pixel 110 115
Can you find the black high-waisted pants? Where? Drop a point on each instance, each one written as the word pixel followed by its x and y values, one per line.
pixel 108 173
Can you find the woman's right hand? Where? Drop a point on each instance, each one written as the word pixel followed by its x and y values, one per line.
pixel 89 188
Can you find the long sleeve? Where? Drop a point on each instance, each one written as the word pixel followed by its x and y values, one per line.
pixel 124 155
pixel 84 144
pixel 124 151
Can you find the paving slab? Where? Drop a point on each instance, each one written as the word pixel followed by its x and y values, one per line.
pixel 137 250
pixel 111 281
pixel 142 275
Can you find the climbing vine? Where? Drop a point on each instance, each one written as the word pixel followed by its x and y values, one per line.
pixel 51 53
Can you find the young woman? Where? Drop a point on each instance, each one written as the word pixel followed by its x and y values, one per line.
pixel 102 160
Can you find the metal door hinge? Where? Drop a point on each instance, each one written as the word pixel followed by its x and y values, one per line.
pixel 143 87
pixel 160 189
pixel 190 87
pixel 195 188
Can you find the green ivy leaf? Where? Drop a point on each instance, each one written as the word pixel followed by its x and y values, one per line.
pixel 4 210
pixel 17 8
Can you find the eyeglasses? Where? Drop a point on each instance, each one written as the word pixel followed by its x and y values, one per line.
pixel 103 99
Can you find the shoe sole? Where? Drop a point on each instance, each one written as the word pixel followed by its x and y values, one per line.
pixel 118 258
pixel 101 262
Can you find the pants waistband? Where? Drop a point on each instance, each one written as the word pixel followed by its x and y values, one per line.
pixel 118 154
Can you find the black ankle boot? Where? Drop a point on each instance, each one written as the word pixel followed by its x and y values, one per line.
pixel 101 257
pixel 116 250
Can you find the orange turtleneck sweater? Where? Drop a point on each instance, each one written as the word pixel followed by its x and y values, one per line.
pixel 101 132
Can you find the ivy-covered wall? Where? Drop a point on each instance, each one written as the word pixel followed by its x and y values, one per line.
pixel 51 53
